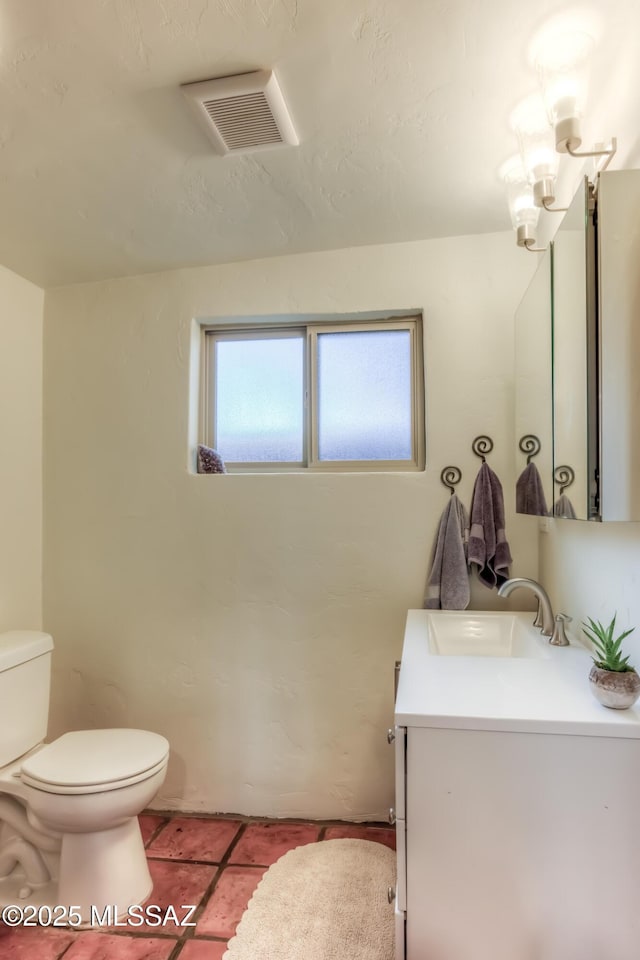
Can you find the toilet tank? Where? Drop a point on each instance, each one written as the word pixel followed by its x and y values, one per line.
pixel 25 673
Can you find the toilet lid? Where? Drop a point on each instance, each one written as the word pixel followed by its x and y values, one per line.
pixel 87 758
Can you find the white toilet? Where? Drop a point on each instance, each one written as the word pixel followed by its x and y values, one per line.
pixel 69 832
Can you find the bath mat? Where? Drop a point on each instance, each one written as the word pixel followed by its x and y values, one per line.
pixel 321 901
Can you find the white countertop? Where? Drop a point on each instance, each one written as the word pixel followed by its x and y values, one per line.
pixel 499 693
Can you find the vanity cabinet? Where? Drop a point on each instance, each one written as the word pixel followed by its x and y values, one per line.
pixel 517 830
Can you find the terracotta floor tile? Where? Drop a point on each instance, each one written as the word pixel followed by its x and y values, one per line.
pixel 190 838
pixel 264 843
pixel 176 885
pixel 229 901
pixel 28 943
pixel 356 831
pixel 104 946
pixel 149 822
pixel 203 950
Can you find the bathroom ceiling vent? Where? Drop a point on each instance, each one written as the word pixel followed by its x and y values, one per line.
pixel 242 113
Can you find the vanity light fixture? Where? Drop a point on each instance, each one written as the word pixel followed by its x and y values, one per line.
pixel 560 54
pixel 530 124
pixel 548 125
pixel 523 210
pixel 563 99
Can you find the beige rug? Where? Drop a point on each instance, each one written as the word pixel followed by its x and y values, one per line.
pixel 321 901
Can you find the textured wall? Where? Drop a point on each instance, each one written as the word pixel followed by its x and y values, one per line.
pixel 21 305
pixel 255 620
pixel 593 570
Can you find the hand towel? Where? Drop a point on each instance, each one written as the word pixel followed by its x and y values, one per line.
pixel 448 584
pixel 530 493
pixel 564 508
pixel 488 547
pixel 209 460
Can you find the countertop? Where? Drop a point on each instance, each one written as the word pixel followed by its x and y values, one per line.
pixel 500 693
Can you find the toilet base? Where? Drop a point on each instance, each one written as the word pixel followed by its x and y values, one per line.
pixel 96 871
pixel 104 869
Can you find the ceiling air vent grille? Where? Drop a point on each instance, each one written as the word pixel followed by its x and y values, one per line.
pixel 242 113
pixel 244 121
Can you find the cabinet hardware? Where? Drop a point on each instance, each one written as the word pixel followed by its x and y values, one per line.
pixel 390 735
pixel 392 816
pixel 391 894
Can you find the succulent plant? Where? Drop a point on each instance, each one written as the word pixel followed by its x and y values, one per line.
pixel 608 652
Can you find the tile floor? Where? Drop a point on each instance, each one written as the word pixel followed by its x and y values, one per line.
pixel 214 862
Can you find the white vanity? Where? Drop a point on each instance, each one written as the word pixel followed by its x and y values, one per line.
pixel 517 798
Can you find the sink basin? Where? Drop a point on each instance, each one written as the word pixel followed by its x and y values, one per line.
pixel 485 634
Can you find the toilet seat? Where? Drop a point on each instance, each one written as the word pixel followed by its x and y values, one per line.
pixel 93 761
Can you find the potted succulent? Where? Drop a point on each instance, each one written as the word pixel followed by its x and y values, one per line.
pixel 613 681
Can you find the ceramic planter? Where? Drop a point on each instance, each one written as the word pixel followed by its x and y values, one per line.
pixel 616 690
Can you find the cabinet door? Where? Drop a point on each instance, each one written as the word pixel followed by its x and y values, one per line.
pixel 401 865
pixel 575 372
pixel 619 291
pixel 400 744
pixel 400 925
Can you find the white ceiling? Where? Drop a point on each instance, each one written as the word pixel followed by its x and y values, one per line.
pixel 401 107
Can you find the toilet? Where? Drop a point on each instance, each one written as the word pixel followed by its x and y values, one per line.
pixel 69 832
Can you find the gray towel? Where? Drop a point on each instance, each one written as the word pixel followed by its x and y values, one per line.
pixel 564 508
pixel 488 547
pixel 530 493
pixel 209 460
pixel 448 584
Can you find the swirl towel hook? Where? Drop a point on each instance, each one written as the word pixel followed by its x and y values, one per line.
pixel 482 445
pixel 565 476
pixel 450 476
pixel 530 444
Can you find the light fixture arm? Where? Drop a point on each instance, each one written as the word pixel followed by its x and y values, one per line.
pixel 609 151
pixel 529 245
pixel 547 206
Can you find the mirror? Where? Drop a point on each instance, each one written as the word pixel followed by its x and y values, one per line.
pixel 596 353
pixel 618 203
pixel 575 386
pixel 533 394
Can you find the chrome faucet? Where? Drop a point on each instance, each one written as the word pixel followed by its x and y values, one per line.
pixel 543 599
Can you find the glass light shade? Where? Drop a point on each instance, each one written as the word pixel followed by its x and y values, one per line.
pixel 536 141
pixel 540 159
pixel 564 80
pixel 522 207
pixel 530 123
pixel 565 93
pixel 562 51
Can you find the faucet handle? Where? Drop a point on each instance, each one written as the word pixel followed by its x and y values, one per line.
pixel 559 637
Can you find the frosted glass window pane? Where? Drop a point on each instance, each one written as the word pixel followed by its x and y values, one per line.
pixel 259 399
pixel 364 386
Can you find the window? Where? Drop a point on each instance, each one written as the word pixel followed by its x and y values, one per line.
pixel 322 395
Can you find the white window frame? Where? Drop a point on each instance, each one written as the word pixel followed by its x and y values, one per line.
pixel 309 330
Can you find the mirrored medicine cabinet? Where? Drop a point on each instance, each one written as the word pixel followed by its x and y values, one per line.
pixel 577 360
pixel 533 380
